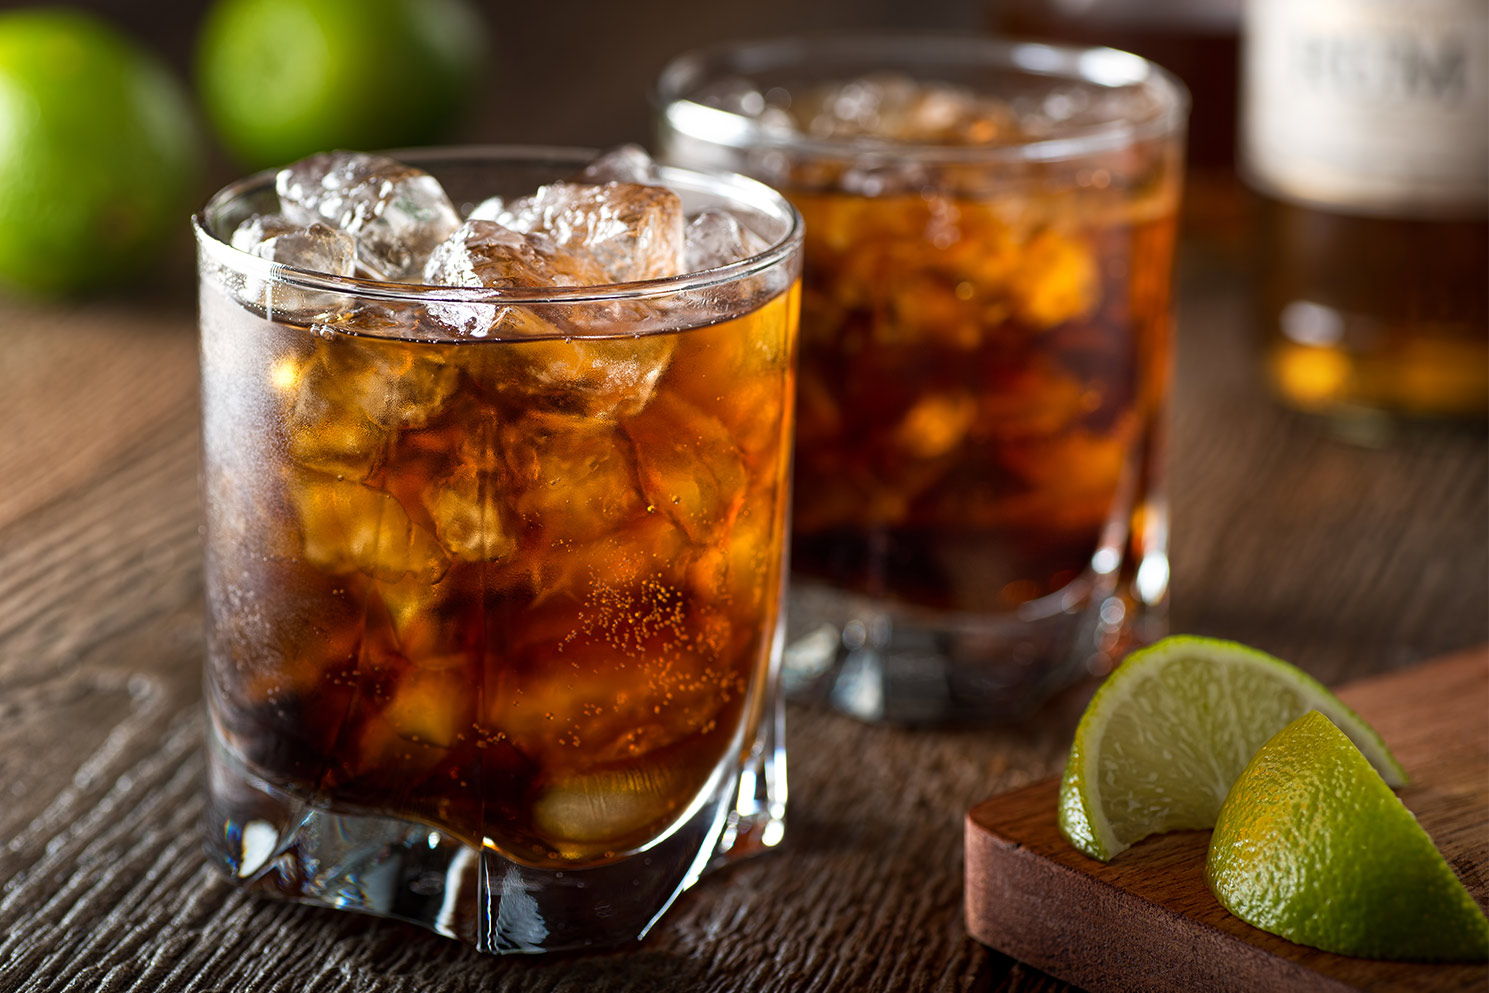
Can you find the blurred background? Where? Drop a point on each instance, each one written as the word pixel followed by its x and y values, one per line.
pixel 524 90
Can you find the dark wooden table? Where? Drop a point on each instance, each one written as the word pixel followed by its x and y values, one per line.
pixel 1345 558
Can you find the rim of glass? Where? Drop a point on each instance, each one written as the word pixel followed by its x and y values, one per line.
pixel 1105 67
pixel 731 186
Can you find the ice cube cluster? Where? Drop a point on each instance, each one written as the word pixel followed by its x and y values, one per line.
pixel 356 214
pixel 900 108
pixel 881 122
pixel 881 105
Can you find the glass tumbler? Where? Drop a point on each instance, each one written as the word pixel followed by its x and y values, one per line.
pixel 979 512
pixel 494 624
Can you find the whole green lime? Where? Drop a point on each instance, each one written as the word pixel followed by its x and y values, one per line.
pixel 281 79
pixel 98 153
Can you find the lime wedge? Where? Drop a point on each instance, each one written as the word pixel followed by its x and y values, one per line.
pixel 1163 739
pixel 1312 845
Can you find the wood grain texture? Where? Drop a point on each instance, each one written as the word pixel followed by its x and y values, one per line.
pixel 1147 921
pixel 1349 560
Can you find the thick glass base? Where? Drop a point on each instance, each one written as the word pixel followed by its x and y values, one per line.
pixel 272 841
pixel 883 662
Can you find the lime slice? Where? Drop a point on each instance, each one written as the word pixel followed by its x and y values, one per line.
pixel 1312 845
pixel 1161 742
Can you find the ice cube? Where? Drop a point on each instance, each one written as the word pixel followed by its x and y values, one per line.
pixel 1072 478
pixel 1038 400
pixel 689 465
pixel 470 516
pixel 487 253
pixel 892 105
pixel 423 623
pixel 937 424
pixel 396 213
pixel 1043 113
pixel 648 549
pixel 623 670
pixel 332 436
pixel 633 231
pixel 953 115
pixel 885 178
pixel 484 253
pixel 739 574
pixel 863 106
pixel 398 384
pixel 400 736
pixel 600 378
pixel 716 237
pixel 1057 280
pixel 574 477
pixel 395 383
pixel 431 707
pixel 610 806
pixel 349 527
pixel 623 164
pixel 560 372
pixel 925 307
pixel 739 373
pixel 488 210
pixel 345 401
pixel 315 247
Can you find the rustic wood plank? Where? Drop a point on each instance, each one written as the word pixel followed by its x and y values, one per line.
pixel 80 382
pixel 1146 920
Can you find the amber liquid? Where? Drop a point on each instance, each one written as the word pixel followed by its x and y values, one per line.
pixel 979 389
pixel 1376 315
pixel 522 591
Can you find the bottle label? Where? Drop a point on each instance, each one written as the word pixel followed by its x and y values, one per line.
pixel 1380 106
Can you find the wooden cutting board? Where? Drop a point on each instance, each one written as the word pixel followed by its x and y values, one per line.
pixel 1147 922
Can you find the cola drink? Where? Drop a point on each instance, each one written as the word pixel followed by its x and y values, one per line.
pixel 496 558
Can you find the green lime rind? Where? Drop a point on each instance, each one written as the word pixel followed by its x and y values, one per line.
pixel 1312 845
pixel 282 79
pixel 99 156
pixel 1163 739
